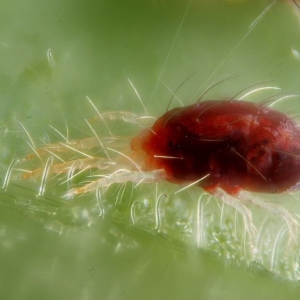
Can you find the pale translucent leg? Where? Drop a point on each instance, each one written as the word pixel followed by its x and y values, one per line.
pixel 243 210
pixel 70 166
pixel 289 218
pixel 89 143
pixel 119 176
pixel 78 146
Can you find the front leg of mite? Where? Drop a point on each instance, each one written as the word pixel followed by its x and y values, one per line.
pixel 120 176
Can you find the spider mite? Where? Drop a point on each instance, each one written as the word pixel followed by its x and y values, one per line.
pixel 227 147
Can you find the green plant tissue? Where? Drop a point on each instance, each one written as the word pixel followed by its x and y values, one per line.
pixel 62 62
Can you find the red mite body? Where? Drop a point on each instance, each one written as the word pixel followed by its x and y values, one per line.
pixel 238 144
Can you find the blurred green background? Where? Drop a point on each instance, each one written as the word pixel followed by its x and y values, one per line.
pixel 53 54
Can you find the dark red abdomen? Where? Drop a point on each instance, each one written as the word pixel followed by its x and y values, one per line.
pixel 239 144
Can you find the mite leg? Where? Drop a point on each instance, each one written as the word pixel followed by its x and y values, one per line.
pixel 89 143
pixel 70 166
pixel 82 144
pixel 78 146
pixel 243 210
pixel 290 220
pixel 119 176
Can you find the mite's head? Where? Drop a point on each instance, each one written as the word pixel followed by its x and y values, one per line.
pixel 159 143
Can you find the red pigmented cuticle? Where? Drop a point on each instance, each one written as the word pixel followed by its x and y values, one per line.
pixel 239 144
